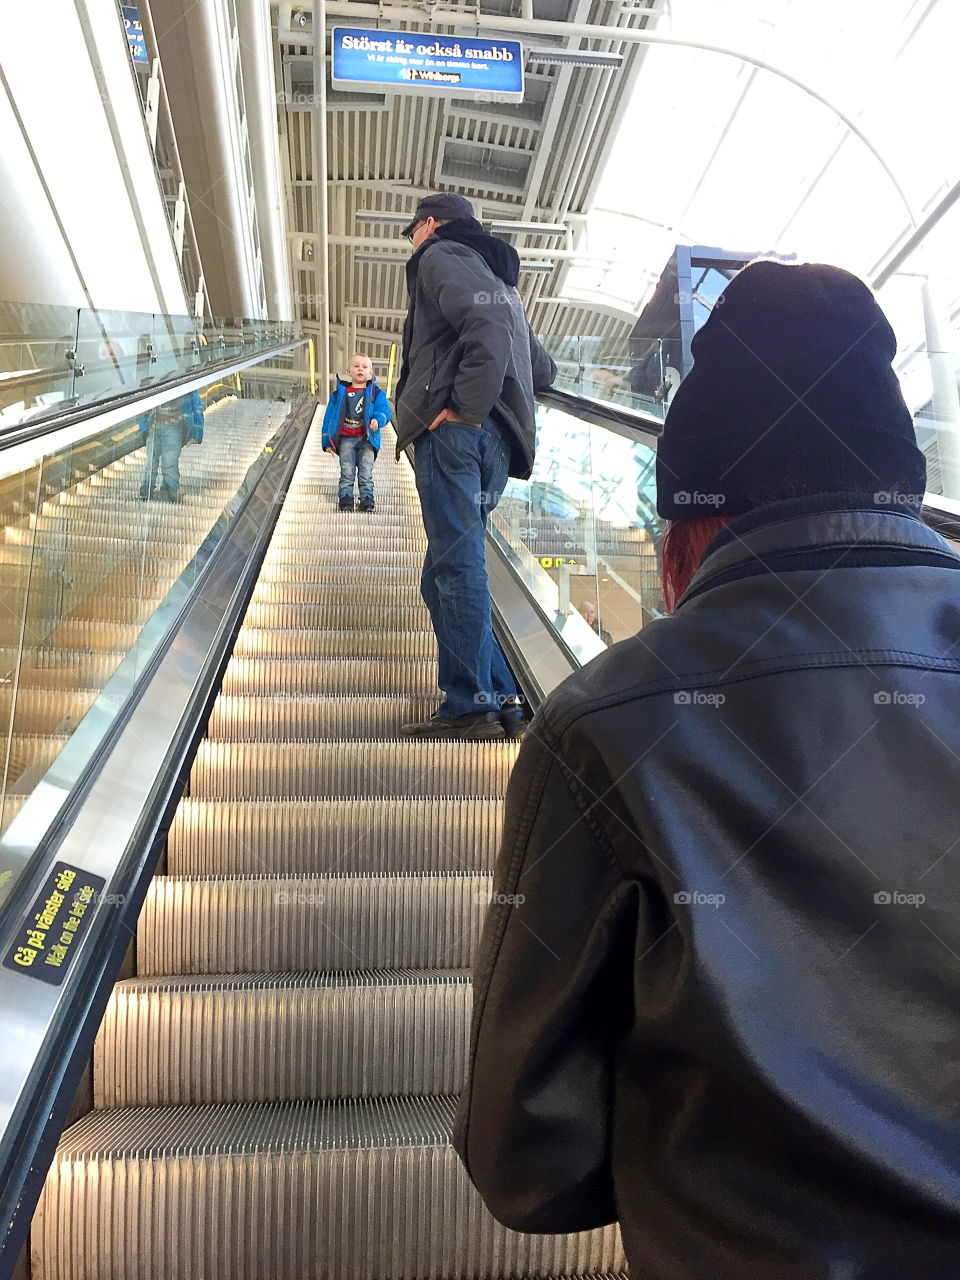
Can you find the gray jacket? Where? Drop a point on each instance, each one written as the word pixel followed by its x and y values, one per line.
pixel 467 347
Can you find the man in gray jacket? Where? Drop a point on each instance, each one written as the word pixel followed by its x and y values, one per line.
pixel 465 402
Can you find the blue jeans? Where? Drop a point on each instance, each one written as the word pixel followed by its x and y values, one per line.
pixel 461 472
pixel 357 457
pixel 164 444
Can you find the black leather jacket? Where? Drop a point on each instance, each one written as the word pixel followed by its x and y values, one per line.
pixel 719 998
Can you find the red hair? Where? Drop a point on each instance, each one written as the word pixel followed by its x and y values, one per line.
pixel 682 550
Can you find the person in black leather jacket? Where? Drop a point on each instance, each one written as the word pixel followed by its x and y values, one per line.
pixel 718 998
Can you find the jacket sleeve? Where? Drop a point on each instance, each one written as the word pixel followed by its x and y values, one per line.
pixel 381 407
pixel 329 422
pixel 541 363
pixel 481 317
pixel 552 992
pixel 195 425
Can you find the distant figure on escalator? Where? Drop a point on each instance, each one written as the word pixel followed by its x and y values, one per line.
pixel 718 999
pixel 168 428
pixel 355 414
pixel 588 611
pixel 465 402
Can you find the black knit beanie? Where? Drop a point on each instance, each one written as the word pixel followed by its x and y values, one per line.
pixel 792 392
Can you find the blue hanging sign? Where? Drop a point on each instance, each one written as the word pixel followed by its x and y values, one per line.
pixel 421 62
pixel 135 38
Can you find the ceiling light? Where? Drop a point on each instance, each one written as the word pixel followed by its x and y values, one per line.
pixel 389 219
pixel 536 266
pixel 529 228
pixel 575 58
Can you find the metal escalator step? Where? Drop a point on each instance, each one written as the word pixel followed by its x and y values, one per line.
pixel 278 924
pixel 100 637
pixel 370 557
pixel 249 837
pixel 388 577
pixel 264 718
pixel 283 1037
pixel 366 589
pixel 350 1190
pixel 45 711
pixel 343 540
pixel 351 617
pixel 68 669
pixel 346 677
pixel 29 757
pixel 250 770
pixel 304 642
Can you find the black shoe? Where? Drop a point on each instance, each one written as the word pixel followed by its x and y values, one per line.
pixel 145 493
pixel 513 718
pixel 345 504
pixel 367 504
pixel 477 726
pixel 169 495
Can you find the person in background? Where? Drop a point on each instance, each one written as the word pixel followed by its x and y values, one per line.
pixel 465 402
pixel 588 611
pixel 718 999
pixel 355 414
pixel 168 428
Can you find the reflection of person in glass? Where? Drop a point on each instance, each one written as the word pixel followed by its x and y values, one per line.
pixel 168 428
pixel 588 611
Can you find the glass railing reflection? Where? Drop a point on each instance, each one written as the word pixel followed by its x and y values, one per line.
pixel 589 368
pixel 96 536
pixel 57 357
pixel 584 529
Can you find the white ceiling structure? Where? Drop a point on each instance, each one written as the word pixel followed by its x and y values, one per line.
pixel 756 125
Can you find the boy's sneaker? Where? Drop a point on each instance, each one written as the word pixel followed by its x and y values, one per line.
pixel 345 504
pixel 367 504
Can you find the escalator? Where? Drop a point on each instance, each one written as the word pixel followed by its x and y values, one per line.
pixel 273 1086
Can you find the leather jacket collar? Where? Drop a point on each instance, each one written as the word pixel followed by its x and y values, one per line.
pixel 824 525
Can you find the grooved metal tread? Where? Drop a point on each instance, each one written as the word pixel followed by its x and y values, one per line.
pixel 232 837
pixel 283 1036
pixel 370 768
pixel 311 1127
pixel 254 718
pixel 270 922
pixel 294 642
pixel 306 980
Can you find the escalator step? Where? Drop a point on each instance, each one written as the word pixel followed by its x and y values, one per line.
pixel 286 1191
pixel 265 719
pixel 343 541
pixel 365 589
pixel 283 1037
pixel 248 771
pixel 388 577
pixel 351 617
pixel 278 924
pixel 304 642
pixel 46 711
pixel 236 837
pixel 344 677
pixel 372 558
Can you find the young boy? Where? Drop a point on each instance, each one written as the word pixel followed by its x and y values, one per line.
pixel 355 414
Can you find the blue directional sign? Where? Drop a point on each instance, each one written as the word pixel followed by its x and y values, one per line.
pixel 422 62
pixel 135 38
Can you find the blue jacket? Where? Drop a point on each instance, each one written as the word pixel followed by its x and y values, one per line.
pixel 376 413
pixel 190 405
